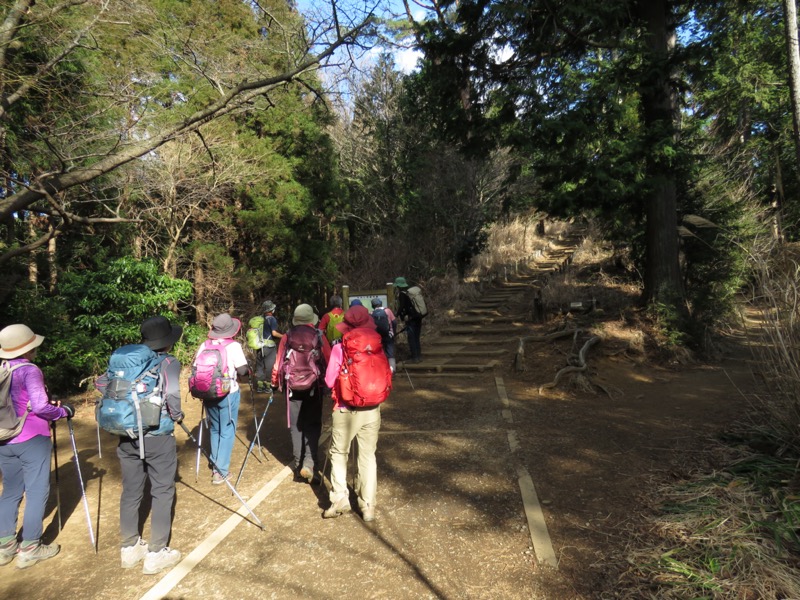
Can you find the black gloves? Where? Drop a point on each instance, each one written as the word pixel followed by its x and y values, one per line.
pixel 69 409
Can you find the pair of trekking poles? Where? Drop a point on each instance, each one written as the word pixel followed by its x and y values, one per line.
pixel 80 481
pixel 250 450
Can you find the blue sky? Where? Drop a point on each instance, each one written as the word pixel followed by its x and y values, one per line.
pixel 405 59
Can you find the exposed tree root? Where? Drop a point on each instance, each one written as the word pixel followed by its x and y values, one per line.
pixel 573 368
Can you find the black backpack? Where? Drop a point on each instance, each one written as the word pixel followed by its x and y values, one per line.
pixel 382 324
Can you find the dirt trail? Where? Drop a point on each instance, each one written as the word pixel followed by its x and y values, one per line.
pixel 450 520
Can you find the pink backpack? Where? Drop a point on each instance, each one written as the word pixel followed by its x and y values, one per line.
pixel 302 365
pixel 209 380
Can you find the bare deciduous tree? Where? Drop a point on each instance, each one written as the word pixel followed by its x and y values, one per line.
pixel 160 83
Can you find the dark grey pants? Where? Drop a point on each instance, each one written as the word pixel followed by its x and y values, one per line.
pixel 26 471
pixel 160 465
pixel 305 424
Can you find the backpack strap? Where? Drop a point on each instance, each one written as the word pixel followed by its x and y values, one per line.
pixel 11 368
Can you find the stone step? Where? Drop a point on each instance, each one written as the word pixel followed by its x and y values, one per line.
pixel 465 352
pixel 482 331
pixel 482 320
pixel 445 367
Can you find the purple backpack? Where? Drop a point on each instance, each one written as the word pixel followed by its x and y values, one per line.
pixel 301 365
pixel 209 380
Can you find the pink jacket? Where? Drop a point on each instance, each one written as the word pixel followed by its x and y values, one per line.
pixel 332 374
pixel 27 386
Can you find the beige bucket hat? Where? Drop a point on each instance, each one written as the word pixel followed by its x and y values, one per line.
pixel 16 340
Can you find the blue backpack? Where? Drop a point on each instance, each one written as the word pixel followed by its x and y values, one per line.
pixel 132 401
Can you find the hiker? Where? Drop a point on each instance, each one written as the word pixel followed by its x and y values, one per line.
pixel 360 379
pixel 330 319
pixel 386 325
pixel 159 465
pixel 303 354
pixel 223 414
pixel 409 311
pixel 265 356
pixel 25 458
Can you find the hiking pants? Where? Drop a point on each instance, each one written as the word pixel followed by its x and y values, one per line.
pixel 222 419
pixel 305 425
pixel 413 331
pixel 265 360
pixel 160 466
pixel 26 470
pixel 363 425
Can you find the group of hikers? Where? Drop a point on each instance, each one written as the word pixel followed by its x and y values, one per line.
pixel 349 353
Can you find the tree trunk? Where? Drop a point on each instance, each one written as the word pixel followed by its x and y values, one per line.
pixel 52 263
pixel 33 266
pixel 777 200
pixel 662 281
pixel 199 292
pixel 793 49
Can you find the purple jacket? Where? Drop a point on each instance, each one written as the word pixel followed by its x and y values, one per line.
pixel 27 385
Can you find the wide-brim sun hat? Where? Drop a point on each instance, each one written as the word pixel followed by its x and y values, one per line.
pixel 400 282
pixel 158 332
pixel 16 340
pixel 268 306
pixel 224 326
pixel 356 316
pixel 304 315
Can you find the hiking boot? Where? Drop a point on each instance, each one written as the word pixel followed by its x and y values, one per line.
pixel 27 557
pixel 261 387
pixel 306 474
pixel 337 508
pixel 218 478
pixel 8 551
pixel 133 555
pixel 155 562
pixel 368 514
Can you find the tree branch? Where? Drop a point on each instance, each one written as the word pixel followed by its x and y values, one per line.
pixel 227 104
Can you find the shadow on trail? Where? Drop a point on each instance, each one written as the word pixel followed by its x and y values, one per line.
pixel 233 511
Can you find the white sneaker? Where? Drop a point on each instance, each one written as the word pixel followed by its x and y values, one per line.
pixel 133 555
pixel 155 562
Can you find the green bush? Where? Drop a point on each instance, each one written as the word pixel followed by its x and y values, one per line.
pixel 94 312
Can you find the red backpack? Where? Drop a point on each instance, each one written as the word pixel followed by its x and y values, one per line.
pixel 301 366
pixel 366 378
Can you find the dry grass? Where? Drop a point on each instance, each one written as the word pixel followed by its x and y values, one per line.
pixel 778 302
pixel 513 245
pixel 597 273
pixel 720 536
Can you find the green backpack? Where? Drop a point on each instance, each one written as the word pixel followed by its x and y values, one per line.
pixel 331 332
pixel 255 335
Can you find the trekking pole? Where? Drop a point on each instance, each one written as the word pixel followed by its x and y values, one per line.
pixel 255 418
pixel 99 447
pixel 55 471
pixel 409 377
pixel 80 480
pixel 258 429
pixel 199 442
pixel 228 483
